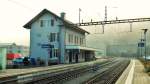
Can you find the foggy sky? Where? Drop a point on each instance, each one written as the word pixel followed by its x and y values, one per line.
pixel 15 13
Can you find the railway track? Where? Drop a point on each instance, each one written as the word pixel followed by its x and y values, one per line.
pixel 109 76
pixel 37 76
pixel 59 75
pixel 68 75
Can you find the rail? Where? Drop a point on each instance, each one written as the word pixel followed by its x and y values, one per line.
pixel 77 69
pixel 109 76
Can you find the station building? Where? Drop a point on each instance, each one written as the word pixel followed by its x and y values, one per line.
pixel 54 39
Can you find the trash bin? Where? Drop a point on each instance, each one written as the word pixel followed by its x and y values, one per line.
pixel 32 60
pixel 2 58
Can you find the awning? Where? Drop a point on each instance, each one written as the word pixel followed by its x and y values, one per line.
pixel 11 56
pixel 80 47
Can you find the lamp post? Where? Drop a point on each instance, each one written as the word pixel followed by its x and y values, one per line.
pixel 145 30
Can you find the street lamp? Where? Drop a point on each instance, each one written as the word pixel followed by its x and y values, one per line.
pixel 145 30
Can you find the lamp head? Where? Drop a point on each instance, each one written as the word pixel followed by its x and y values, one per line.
pixel 145 30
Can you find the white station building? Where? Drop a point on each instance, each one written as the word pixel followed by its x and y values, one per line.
pixel 54 39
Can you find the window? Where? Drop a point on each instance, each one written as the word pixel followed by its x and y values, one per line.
pixel 56 53
pixel 69 38
pixel 52 22
pixel 53 53
pixel 57 36
pixel 44 23
pixel 81 41
pixel 41 23
pixel 52 37
pixel 77 40
pixel 50 53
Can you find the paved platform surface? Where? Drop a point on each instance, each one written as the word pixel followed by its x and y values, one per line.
pixel 134 74
pixel 140 77
pixel 12 72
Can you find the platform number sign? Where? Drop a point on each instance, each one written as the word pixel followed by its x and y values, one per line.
pixel 140 44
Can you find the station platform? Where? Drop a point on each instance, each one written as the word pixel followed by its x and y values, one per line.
pixel 134 74
pixel 12 72
pixel 39 70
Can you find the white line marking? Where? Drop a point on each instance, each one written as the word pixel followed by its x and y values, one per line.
pixel 131 73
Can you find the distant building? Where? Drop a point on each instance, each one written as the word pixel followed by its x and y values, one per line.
pixel 13 48
pixel 53 39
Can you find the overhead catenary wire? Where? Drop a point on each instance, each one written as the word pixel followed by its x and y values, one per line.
pixel 22 5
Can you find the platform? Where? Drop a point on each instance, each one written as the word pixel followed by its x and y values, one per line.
pixel 16 72
pixel 134 74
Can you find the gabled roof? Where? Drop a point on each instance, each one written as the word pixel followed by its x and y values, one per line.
pixel 66 22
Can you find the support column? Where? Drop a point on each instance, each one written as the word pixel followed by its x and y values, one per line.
pixel 62 44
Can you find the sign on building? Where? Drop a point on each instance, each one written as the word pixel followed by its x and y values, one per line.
pixel 47 46
pixel 141 44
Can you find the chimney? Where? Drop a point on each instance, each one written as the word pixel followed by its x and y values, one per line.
pixel 62 15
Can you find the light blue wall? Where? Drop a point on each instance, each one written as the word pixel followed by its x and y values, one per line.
pixel 39 35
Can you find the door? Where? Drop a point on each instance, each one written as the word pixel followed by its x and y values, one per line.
pixel 70 57
pixel 76 57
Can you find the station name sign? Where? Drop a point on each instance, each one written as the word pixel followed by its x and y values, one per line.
pixel 141 44
pixel 47 46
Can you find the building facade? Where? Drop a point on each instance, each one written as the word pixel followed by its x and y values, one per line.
pixel 54 39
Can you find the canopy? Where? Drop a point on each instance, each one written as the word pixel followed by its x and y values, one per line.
pixel 80 47
pixel 11 56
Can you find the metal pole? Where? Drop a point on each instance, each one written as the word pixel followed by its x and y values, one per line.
pixel 103 29
pixel 79 16
pixel 105 13
pixel 141 51
pixel 141 47
pixel 145 44
pixel 130 26
pixel 145 30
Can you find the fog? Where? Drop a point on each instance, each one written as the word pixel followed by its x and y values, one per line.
pixel 117 37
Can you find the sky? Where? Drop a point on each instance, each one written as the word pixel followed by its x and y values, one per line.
pixel 15 13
